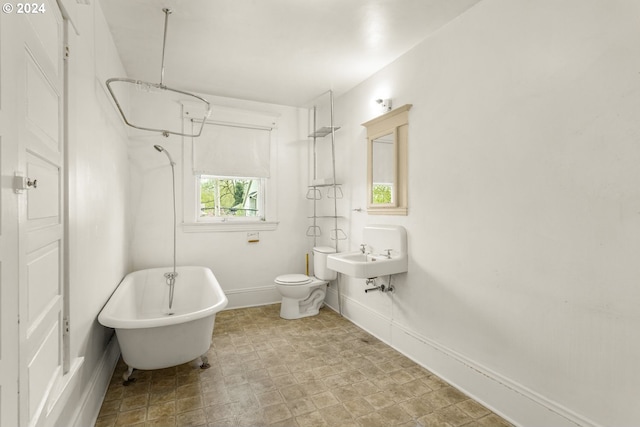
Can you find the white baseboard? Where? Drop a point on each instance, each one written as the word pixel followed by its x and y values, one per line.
pixel 90 402
pixel 505 397
pixel 251 297
pixel 60 396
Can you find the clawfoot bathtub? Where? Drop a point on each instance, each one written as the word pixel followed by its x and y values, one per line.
pixel 152 336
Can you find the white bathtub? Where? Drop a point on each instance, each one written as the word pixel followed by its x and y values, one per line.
pixel 149 336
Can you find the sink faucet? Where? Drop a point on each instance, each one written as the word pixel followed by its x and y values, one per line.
pixel 363 248
pixel 388 254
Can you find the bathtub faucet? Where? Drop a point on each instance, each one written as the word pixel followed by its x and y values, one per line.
pixel 171 277
pixel 171 281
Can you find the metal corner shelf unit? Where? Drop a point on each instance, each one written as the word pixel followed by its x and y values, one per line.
pixel 333 189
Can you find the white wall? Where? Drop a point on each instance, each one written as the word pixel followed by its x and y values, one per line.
pixel 99 221
pixel 245 270
pixel 523 202
pixel 99 224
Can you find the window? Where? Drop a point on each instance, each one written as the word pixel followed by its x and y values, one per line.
pixel 232 166
pixel 229 178
pixel 230 197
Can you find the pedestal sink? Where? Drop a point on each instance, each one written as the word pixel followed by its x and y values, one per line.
pixel 384 252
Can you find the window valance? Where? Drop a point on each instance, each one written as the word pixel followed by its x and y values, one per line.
pixel 232 150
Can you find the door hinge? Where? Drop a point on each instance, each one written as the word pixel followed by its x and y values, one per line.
pixel 65 321
pixel 66 52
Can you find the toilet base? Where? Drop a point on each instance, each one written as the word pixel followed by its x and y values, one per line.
pixel 291 308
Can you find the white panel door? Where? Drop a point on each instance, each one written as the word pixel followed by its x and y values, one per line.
pixel 8 226
pixel 41 255
pixel 34 62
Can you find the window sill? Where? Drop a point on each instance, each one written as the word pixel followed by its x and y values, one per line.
pixel 208 227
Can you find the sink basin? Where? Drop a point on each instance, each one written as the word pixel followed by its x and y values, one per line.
pixel 365 266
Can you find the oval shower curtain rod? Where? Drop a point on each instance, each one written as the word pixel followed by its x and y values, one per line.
pixel 161 86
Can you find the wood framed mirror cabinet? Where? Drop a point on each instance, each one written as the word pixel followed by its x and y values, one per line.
pixel 387 140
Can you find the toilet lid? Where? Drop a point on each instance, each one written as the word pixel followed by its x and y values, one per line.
pixel 293 279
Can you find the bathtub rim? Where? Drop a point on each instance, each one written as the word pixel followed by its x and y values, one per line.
pixel 106 317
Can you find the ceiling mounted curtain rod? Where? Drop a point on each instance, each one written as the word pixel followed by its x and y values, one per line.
pixel 167 12
pixel 149 87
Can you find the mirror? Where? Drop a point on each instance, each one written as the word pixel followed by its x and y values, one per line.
pixel 383 170
pixel 387 138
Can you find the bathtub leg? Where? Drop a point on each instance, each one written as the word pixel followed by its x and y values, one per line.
pixel 126 376
pixel 203 362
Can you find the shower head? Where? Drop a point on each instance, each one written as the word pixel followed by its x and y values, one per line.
pixel 161 149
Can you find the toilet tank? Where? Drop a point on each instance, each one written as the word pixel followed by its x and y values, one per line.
pixel 320 270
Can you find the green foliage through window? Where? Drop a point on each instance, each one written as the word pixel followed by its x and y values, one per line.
pixel 381 194
pixel 230 196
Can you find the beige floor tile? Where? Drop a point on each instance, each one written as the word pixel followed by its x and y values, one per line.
pixel 269 398
pixel 348 392
pixel 313 419
pixel 162 410
pixel 292 392
pixel 284 380
pixel 454 415
pixel 365 388
pixel 312 387
pixel 416 388
pixel 219 412
pixel 106 420
pixel 473 408
pixel 276 371
pixel 324 399
pixel 160 396
pixel 135 389
pixel 337 415
pixel 492 420
pixel 251 418
pixel 301 406
pixel 379 400
pixel 162 422
pixel 110 407
pixel 131 417
pixel 134 402
pixel 395 415
pixel 372 419
pixel 114 392
pixel 311 372
pixel 191 419
pixel 276 413
pixel 188 404
pixel 262 385
pixel 358 407
pixel 433 420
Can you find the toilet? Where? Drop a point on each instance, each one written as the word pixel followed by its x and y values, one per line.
pixel 303 295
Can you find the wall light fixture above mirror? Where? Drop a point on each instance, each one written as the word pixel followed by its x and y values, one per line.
pixel 387 138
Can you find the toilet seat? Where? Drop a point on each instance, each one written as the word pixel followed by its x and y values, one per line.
pixel 293 279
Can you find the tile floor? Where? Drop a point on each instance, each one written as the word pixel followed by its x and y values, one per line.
pixel 267 371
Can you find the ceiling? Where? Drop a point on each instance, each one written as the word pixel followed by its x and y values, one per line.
pixel 277 51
